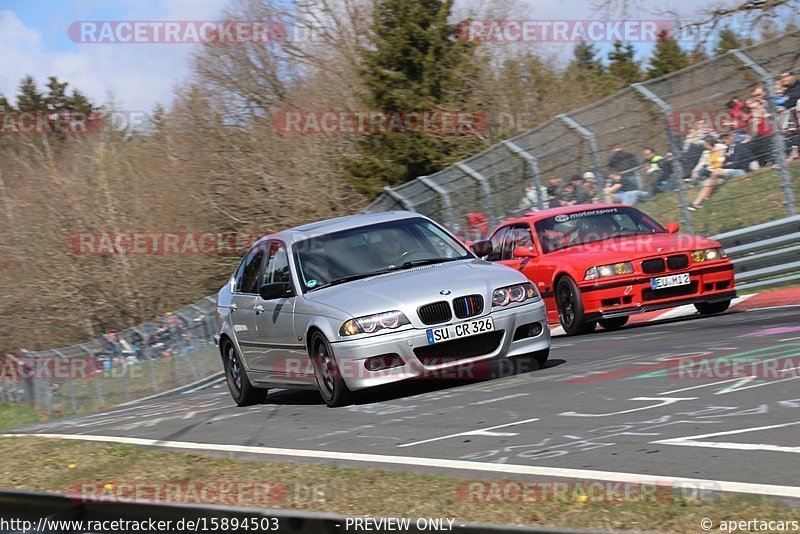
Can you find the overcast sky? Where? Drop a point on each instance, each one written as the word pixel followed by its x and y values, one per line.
pixel 34 40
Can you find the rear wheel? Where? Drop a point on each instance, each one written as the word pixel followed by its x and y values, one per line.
pixel 710 308
pixel 570 308
pixel 242 391
pixel 332 387
pixel 614 323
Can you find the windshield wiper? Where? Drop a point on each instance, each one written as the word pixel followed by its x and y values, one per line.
pixel 426 261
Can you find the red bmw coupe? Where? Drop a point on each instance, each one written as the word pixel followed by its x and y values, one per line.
pixel 601 263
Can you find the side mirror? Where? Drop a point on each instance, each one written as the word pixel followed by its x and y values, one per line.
pixel 672 227
pixel 482 248
pixel 524 252
pixel 276 290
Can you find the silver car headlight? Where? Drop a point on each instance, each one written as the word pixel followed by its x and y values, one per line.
pixel 369 324
pixel 604 271
pixel 708 254
pixel 517 293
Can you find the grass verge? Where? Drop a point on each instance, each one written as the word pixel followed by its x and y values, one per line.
pixel 14 415
pixel 754 198
pixel 67 466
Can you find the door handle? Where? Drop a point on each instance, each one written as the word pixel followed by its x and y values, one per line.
pixel 259 309
pixel 233 306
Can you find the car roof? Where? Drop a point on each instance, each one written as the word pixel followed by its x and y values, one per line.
pixel 563 210
pixel 329 226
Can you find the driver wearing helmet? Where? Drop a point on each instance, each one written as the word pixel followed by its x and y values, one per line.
pixel 596 228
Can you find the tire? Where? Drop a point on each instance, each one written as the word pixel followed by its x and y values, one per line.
pixel 532 361
pixel 330 383
pixel 570 308
pixel 710 308
pixel 242 391
pixel 614 323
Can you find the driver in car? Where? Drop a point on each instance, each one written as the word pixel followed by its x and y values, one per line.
pixel 387 248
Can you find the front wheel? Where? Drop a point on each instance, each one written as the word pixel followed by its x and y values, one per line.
pixel 710 308
pixel 242 391
pixel 614 323
pixel 332 387
pixel 570 308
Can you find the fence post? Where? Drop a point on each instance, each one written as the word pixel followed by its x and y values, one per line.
pixel 778 144
pixel 587 134
pixel 96 378
pixel 675 148
pixel 485 187
pixel 403 201
pixel 70 385
pixel 442 192
pixel 533 165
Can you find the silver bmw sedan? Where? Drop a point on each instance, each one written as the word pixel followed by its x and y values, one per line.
pixel 355 302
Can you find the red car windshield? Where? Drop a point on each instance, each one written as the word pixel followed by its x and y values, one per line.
pixel 588 226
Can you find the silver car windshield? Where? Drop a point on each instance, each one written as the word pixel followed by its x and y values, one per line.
pixel 368 250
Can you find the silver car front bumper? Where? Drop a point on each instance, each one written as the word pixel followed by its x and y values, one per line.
pixel 351 355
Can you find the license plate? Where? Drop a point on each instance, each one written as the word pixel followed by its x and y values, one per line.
pixel 670 281
pixel 455 331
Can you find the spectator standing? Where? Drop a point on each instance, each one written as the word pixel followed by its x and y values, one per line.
pixel 477 226
pixel 791 90
pixel 622 162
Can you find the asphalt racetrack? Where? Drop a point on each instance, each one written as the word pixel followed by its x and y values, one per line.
pixel 706 401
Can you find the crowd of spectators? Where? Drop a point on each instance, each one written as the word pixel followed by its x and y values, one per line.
pixel 709 158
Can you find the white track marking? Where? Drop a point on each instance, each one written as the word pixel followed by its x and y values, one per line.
pixel 663 401
pixel 692 441
pixel 479 432
pixel 556 472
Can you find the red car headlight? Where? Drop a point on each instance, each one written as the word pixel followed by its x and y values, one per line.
pixel 604 271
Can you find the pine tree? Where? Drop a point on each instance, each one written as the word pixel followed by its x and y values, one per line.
pixel 668 56
pixel 586 58
pixel 623 65
pixel 29 98
pixel 56 97
pixel 415 63
pixel 5 105
pixel 728 40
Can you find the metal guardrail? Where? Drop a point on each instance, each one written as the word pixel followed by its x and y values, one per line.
pixel 765 254
pixel 44 509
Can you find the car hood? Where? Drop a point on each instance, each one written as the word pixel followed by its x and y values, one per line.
pixel 634 247
pixel 408 289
